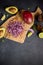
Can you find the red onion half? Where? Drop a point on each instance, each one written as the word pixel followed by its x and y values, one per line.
pixel 15 28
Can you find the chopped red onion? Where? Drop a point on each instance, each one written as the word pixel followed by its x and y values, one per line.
pixel 15 28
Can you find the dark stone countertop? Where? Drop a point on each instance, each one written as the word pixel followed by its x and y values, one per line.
pixel 29 53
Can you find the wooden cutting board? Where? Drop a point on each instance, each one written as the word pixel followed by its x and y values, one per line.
pixel 21 38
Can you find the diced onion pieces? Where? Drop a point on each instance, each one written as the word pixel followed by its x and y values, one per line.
pixel 15 28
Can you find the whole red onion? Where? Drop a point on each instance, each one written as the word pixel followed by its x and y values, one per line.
pixel 27 16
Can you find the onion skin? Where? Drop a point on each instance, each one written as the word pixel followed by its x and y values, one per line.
pixel 27 16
